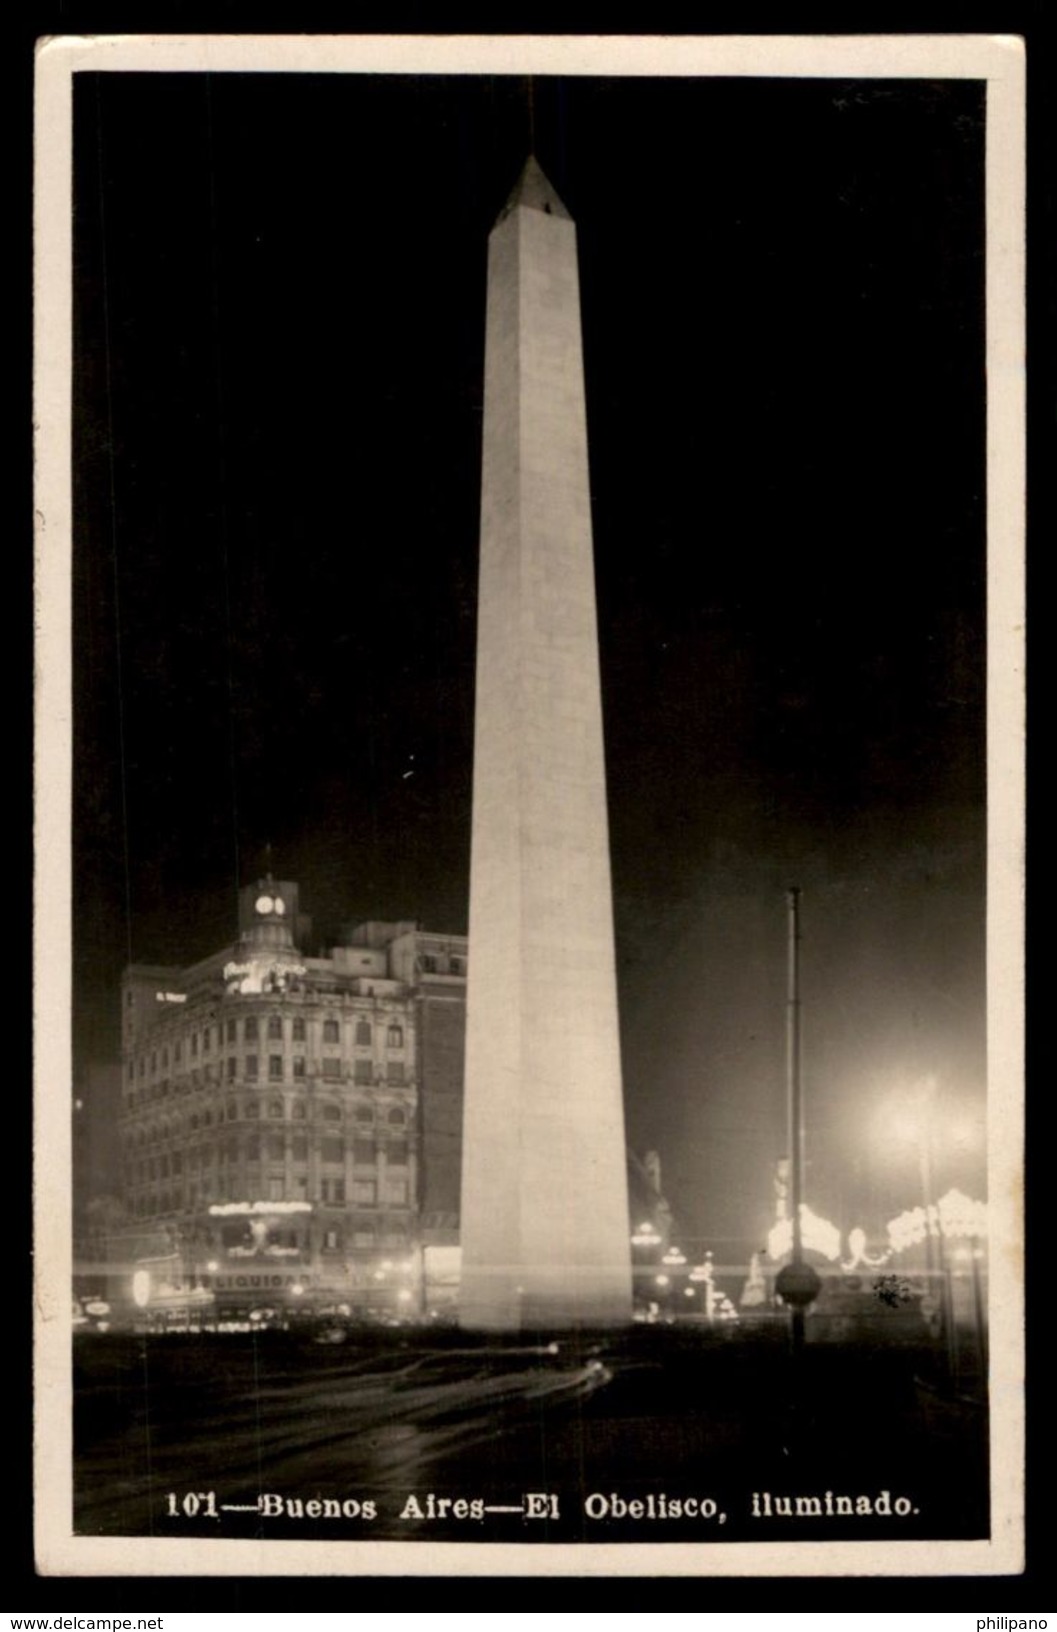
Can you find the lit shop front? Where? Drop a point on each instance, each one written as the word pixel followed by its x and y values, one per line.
pixel 287 1262
pixel 259 1260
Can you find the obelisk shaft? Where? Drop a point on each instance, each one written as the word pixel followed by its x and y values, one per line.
pixel 544 1215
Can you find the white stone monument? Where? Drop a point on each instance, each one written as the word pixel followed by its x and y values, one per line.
pixel 544 1212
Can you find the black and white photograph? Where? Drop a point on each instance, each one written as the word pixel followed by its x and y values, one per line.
pixel 529 764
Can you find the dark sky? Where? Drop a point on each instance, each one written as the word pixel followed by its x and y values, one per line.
pixel 279 324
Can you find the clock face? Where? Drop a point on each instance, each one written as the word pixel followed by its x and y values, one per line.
pixel 265 904
pixel 280 906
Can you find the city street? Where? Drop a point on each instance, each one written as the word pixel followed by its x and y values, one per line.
pixel 658 1434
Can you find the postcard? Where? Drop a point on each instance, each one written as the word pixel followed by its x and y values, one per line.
pixel 529 592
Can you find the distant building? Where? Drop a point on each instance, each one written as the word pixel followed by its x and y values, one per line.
pixel 290 1124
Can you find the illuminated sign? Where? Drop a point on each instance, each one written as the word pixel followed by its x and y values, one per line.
pixel 257 1282
pixel 859 1254
pixel 817 1233
pixel 242 1209
pixel 170 997
pixel 954 1216
pixel 261 975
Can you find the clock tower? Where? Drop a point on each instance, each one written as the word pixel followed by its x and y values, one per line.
pixel 266 956
pixel 267 914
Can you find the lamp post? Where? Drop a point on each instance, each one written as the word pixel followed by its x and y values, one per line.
pixel 646 1242
pixel 797 1284
pixel 953 1218
pixel 978 1308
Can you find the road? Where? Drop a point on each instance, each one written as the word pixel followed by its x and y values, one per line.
pixel 239 1435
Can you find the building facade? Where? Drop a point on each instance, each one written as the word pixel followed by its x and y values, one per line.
pixel 290 1125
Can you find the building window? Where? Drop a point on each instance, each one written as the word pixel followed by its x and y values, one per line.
pixel 275 1109
pixel 396 1192
pixel 331 1241
pixel 154 1062
pixel 250 1032
pixel 394 1071
pixel 276 1147
pixel 178 1052
pixel 457 965
pixel 275 1068
pixel 253 1148
pixel 299 1149
pixel 363 1192
pixel 299 1065
pixel 330 1113
pixel 396 1152
pixel 251 1108
pixel 231 1031
pixel 363 1073
pixel 332 1069
pixel 165 1059
pixel 275 1028
pixel 332 1192
pixel 275 1188
pixel 207 1039
pixel 231 1068
pixel 131 1070
pixel 331 1031
pixel 364 1113
pixel 429 963
pixel 297 1031
pixel 396 1117
pixel 231 1110
pixel 251 1067
pixel 395 1036
pixel 364 1152
pixel 363 1236
pixel 363 1033
pixel 297 1110
pixel 332 1150
pixel 194 1045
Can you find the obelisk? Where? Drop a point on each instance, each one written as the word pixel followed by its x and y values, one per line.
pixel 544 1211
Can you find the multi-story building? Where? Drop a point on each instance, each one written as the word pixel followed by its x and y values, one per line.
pixel 290 1124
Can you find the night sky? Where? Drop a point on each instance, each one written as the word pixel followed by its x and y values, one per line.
pixel 280 289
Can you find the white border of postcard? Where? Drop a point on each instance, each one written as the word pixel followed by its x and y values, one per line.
pixel 998 59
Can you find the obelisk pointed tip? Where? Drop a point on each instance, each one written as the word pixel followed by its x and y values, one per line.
pixel 533 191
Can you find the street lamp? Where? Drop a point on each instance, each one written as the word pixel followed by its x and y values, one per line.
pixel 703 1274
pixel 954 1218
pixel 911 1120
